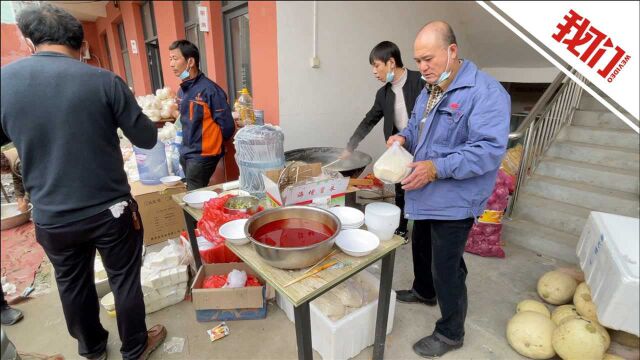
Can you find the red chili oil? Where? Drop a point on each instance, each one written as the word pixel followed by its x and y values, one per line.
pixel 292 233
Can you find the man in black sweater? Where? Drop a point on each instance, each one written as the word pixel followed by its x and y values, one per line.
pixel 394 101
pixel 62 116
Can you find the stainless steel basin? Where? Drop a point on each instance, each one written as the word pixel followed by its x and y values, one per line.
pixel 12 217
pixel 293 257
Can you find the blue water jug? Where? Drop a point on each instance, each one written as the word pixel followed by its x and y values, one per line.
pixel 152 164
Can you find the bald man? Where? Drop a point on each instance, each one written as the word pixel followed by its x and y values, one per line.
pixel 458 134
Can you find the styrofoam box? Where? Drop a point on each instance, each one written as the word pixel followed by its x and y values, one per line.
pixel 347 337
pixel 164 297
pixel 608 252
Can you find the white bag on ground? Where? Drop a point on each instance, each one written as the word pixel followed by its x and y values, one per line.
pixel 392 166
pixel 236 279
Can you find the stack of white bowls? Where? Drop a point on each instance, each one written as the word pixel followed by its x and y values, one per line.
pixel 351 218
pixel 382 219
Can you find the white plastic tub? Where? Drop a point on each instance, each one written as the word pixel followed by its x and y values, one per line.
pixel 608 253
pixel 348 336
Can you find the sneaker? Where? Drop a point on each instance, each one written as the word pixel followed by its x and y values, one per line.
pixel 10 315
pixel 156 336
pixel 434 346
pixel 411 297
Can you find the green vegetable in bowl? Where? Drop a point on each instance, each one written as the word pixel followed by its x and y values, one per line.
pixel 240 204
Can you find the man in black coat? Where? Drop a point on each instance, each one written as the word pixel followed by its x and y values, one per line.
pixel 394 101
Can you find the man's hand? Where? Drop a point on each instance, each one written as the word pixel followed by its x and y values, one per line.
pixel 175 114
pixel 345 154
pixel 394 138
pixel 423 173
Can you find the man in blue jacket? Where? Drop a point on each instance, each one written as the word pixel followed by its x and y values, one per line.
pixel 205 116
pixel 458 134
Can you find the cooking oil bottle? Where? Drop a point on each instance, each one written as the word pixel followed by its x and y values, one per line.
pixel 245 108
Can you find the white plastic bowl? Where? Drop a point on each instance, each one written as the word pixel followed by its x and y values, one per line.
pixel 356 226
pixel 383 233
pixel 108 302
pixel 197 199
pixel 233 231
pixel 350 218
pixel 170 180
pixel 382 214
pixel 356 242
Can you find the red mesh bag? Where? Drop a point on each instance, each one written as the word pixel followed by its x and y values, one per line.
pixel 484 238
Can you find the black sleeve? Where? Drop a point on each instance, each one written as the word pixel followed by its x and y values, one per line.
pixel 135 125
pixel 370 120
pixel 4 139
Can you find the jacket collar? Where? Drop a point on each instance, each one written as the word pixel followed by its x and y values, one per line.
pixel 465 77
pixel 187 84
pixel 51 53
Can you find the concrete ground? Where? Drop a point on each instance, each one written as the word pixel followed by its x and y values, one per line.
pixel 495 286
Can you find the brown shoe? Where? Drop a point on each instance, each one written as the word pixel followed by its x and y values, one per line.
pixel 155 337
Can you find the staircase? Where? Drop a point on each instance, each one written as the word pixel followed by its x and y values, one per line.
pixel 591 166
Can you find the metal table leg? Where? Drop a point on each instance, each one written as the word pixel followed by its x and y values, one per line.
pixel 303 331
pixel 384 297
pixel 191 231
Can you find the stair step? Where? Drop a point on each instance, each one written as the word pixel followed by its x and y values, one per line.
pixel 554 214
pixel 543 240
pixel 601 119
pixel 627 139
pixel 595 154
pixel 597 175
pixel 584 195
pixel 588 102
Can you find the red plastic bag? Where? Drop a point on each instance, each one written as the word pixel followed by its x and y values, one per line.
pixel 252 281
pixel 214 282
pixel 218 281
pixel 213 217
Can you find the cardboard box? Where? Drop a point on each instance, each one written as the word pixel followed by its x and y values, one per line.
pixel 162 218
pixel 246 303
pixel 329 192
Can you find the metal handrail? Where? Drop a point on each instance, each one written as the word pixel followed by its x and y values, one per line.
pixel 553 111
pixel 539 107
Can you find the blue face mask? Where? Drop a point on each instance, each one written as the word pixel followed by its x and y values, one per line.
pixel 445 75
pixel 185 74
pixel 390 75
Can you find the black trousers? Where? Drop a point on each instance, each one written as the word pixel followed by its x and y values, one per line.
pixel 72 248
pixel 198 173
pixel 439 270
pixel 400 204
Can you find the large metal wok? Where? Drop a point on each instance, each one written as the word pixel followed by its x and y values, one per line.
pixel 350 167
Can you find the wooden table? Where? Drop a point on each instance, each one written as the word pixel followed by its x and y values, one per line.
pixel 301 293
